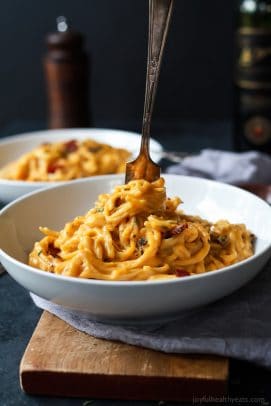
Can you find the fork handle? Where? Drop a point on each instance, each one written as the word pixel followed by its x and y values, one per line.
pixel 159 18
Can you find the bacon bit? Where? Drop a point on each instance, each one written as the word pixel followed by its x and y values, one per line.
pixel 54 166
pixel 52 250
pixel 179 229
pixel 175 230
pixel 181 272
pixel 118 201
pixel 70 146
pixel 95 149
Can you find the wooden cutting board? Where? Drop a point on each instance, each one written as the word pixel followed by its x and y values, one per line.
pixel 62 361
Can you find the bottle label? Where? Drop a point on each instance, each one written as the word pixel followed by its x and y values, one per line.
pixel 253 119
pixel 253 67
pixel 257 130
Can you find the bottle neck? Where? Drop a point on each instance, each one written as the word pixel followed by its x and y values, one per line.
pixel 255 13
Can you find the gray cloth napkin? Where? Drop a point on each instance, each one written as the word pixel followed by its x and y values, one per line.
pixel 238 326
pixel 228 167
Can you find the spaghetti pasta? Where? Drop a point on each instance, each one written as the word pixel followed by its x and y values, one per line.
pixel 60 161
pixel 137 233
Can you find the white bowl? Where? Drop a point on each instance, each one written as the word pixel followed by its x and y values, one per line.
pixel 11 148
pixel 132 301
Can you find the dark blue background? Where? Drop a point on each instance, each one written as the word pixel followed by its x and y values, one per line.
pixel 196 77
pixel 194 98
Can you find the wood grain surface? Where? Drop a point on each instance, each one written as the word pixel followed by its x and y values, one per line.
pixel 62 361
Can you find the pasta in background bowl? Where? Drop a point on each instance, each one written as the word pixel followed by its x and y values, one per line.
pixel 66 160
pixel 41 159
pixel 110 300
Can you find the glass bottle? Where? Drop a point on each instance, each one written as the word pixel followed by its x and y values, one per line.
pixel 252 120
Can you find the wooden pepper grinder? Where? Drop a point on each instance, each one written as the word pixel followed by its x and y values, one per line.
pixel 66 74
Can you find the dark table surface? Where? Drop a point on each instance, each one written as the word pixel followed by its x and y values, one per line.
pixel 248 384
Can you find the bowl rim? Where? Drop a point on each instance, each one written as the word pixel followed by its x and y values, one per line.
pixel 108 283
pixel 62 131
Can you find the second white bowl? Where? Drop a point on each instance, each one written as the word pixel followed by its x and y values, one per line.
pixel 11 148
